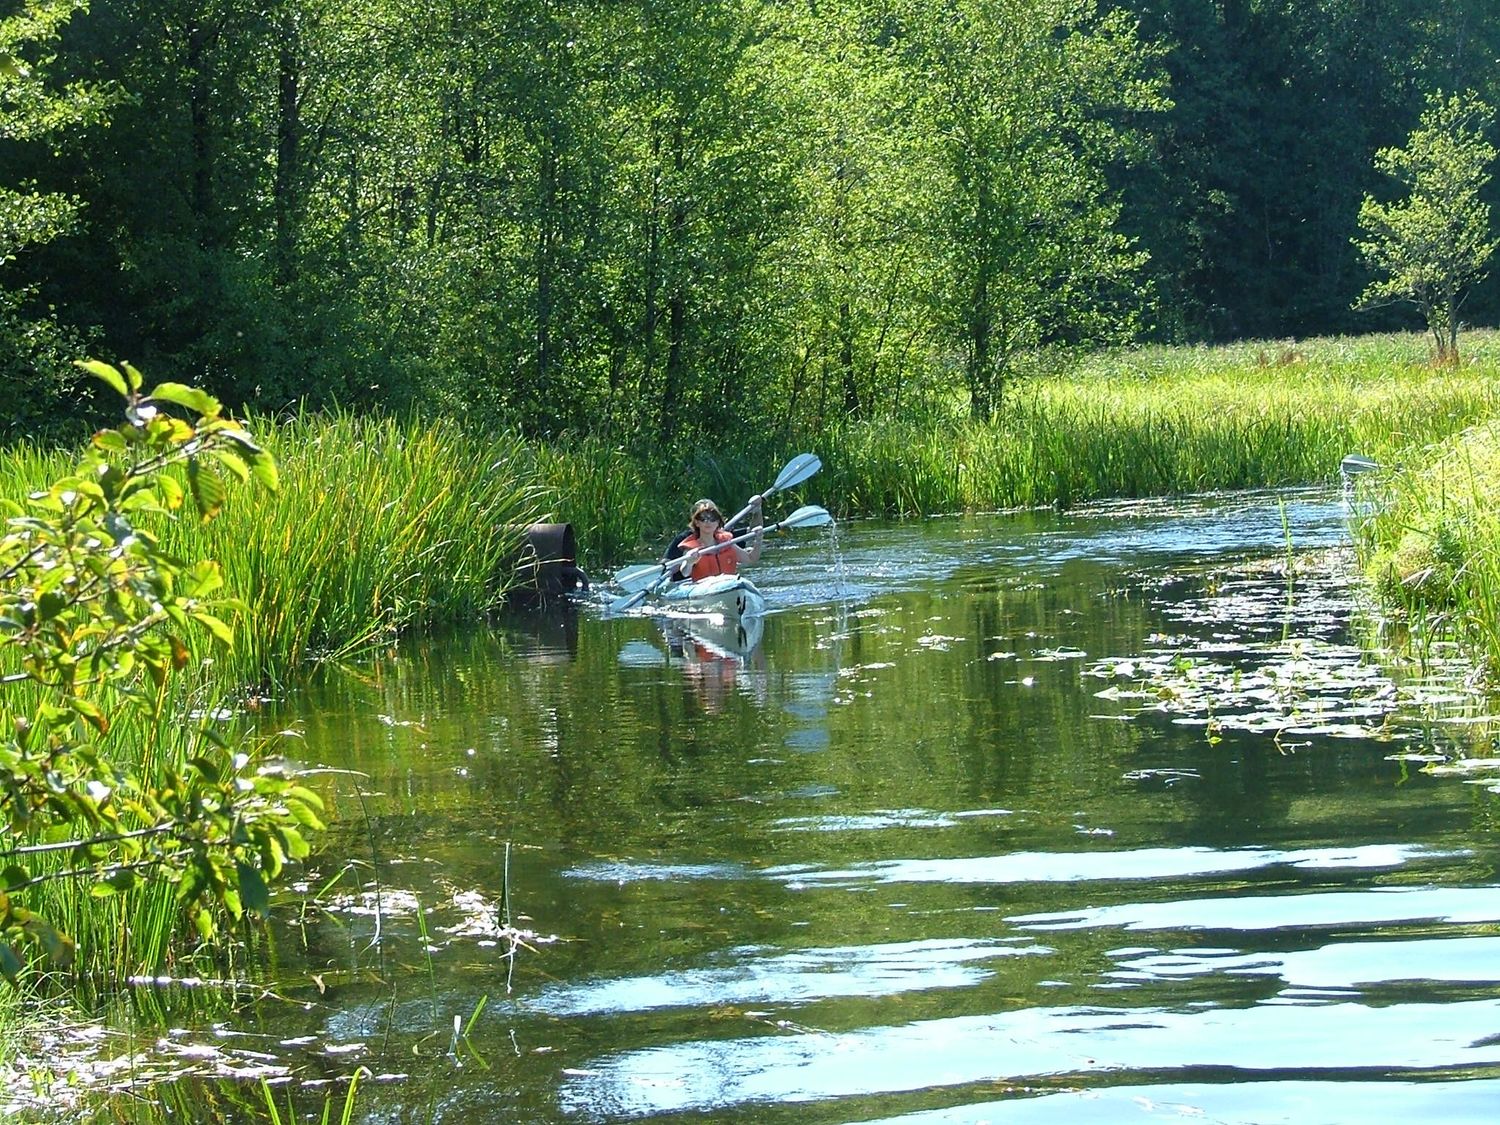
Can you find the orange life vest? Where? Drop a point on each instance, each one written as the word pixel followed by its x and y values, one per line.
pixel 726 561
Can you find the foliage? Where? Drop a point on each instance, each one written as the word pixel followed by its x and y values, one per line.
pixel 1018 98
pixel 1159 421
pixel 32 343
pixel 1431 546
pixel 1433 245
pixel 96 620
pixel 30 111
pixel 379 527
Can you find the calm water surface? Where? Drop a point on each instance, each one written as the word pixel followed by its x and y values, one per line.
pixel 1049 818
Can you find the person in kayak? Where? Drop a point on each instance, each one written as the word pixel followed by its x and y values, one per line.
pixel 705 528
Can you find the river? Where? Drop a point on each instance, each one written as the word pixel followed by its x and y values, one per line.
pixel 1085 817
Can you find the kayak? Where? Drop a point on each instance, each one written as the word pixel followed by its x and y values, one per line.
pixel 731 597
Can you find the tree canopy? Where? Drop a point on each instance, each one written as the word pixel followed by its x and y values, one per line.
pixel 1431 246
pixel 641 219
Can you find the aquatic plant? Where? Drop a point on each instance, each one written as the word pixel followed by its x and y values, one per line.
pixel 380 526
pixel 1431 547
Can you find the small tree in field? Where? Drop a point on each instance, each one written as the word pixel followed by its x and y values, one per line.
pixel 1432 245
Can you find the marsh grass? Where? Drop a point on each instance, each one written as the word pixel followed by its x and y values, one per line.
pixel 1165 421
pixel 379 527
pixel 1431 544
pixel 137 932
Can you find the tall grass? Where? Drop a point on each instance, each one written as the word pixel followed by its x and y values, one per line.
pixel 379 527
pixel 1432 542
pixel 1139 427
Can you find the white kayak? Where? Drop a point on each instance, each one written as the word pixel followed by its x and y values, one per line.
pixel 731 597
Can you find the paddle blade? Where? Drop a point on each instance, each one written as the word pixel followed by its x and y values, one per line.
pixel 634 579
pixel 629 602
pixel 809 515
pixel 797 470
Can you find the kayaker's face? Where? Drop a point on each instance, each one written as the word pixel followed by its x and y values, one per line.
pixel 709 518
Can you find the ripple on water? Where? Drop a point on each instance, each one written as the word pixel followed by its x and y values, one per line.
pixel 1256 1043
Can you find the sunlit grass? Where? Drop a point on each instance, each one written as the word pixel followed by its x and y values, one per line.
pixel 1134 425
pixel 1430 541
pixel 378 527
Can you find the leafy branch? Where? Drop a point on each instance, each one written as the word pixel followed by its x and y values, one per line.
pixel 95 620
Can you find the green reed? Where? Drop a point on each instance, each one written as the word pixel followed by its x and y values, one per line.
pixel 379 527
pixel 136 932
pixel 1428 533
pixel 1141 427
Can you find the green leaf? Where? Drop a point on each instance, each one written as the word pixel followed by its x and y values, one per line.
pixel 304 816
pixel 294 843
pixel 207 767
pixel 219 629
pixel 306 796
pixel 196 400
pixel 111 441
pixel 234 463
pixel 10 964
pixel 105 373
pixel 253 890
pixel 58 945
pixel 207 489
pixel 171 491
pixel 92 713
pixel 263 468
pixel 14 876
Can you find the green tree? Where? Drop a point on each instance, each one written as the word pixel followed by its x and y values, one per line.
pixel 1432 245
pixel 34 112
pixel 1022 100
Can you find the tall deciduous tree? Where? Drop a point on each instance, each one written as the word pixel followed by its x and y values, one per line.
pixel 1019 98
pixel 1432 245
pixel 855 268
pixel 34 110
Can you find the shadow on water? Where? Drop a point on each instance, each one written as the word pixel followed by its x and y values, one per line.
pixel 1038 817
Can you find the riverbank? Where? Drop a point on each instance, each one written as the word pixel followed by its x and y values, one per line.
pixel 1429 539
pixel 383 526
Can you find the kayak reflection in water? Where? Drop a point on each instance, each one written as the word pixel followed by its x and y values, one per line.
pixel 713 670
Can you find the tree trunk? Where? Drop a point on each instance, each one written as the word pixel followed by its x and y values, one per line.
pixel 288 146
pixel 846 360
pixel 198 46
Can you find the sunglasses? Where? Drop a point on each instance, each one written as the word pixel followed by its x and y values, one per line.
pixel 710 516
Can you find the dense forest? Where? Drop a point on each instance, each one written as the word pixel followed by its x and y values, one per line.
pixel 655 219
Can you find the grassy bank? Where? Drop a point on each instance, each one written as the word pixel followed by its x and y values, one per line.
pixel 1162 421
pixel 383 526
pixel 379 527
pixel 1430 541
